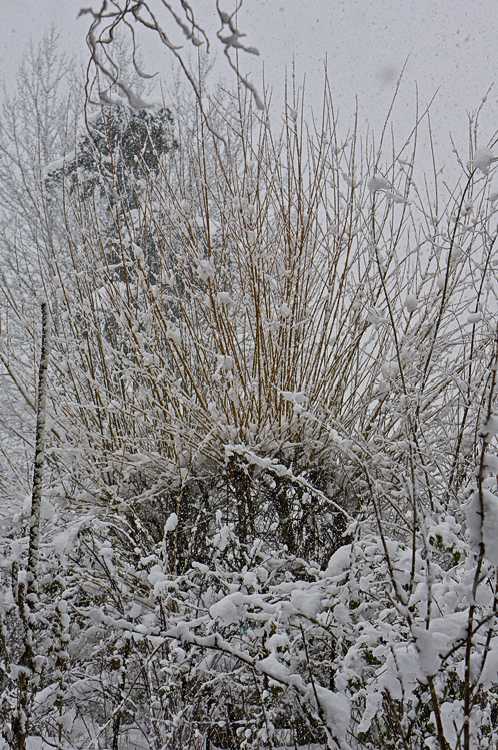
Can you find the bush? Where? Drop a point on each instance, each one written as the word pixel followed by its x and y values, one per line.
pixel 273 419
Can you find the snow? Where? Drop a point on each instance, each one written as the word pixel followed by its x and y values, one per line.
pixel 372 705
pixel 339 562
pixel 65 539
pixel 276 641
pixel 337 709
pixel 295 397
pixel 491 462
pixel 431 646
pixel 483 159
pixel 411 303
pixel 451 718
pixel 490 427
pixel 489 676
pixel 156 576
pixel 225 611
pixel 483 522
pixel 377 183
pixel 171 522
pixel 284 311
pixel 206 270
pixel 225 362
pixel 224 298
pixel 273 668
pixel 173 333
pixel 306 601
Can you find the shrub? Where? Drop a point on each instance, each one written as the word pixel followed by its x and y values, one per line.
pixel 278 448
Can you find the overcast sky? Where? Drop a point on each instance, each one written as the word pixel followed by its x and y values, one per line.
pixel 450 44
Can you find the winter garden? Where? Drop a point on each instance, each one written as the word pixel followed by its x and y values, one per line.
pixel 248 422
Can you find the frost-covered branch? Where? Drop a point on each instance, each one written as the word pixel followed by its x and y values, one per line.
pixel 160 18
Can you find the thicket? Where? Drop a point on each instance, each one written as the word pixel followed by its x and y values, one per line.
pixel 269 516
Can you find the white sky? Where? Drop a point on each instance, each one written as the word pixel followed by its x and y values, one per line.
pixel 451 44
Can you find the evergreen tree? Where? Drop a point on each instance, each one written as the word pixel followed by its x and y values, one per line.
pixel 120 148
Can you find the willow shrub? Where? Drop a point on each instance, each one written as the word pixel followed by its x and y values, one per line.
pixel 273 400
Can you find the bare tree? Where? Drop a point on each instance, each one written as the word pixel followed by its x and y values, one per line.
pixel 37 125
